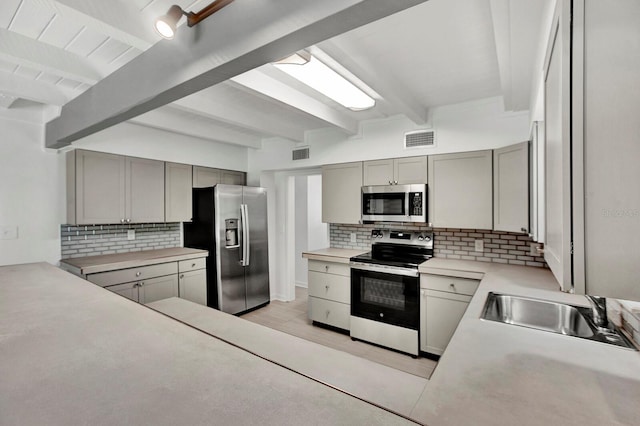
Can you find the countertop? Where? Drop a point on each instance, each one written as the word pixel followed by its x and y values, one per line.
pixel 110 262
pixel 499 374
pixel 75 353
pixel 332 254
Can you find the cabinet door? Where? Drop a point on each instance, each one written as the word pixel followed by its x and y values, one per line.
pixel 460 190
pixel 193 286
pixel 158 288
pixel 511 188
pixel 341 193
pixel 230 177
pixel 128 290
pixel 178 185
pixel 378 172
pixel 557 250
pixel 99 183
pixel 441 316
pixel 204 177
pixel 144 190
pixel 410 170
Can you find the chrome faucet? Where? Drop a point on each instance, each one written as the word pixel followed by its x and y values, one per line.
pixel 599 311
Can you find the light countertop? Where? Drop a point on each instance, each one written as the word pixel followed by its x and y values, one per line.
pixel 110 262
pixel 75 353
pixel 499 374
pixel 332 254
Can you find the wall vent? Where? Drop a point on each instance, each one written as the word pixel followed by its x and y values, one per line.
pixel 300 154
pixel 420 139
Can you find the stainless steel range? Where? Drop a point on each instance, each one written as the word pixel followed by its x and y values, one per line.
pixel 385 287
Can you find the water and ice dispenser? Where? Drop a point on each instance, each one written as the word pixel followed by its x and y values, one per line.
pixel 231 232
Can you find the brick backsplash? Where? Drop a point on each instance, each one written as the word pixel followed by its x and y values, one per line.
pixel 450 243
pixel 91 240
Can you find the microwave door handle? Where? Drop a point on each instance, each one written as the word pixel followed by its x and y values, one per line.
pixel 406 204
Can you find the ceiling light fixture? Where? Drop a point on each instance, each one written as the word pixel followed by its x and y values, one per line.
pixel 309 70
pixel 166 25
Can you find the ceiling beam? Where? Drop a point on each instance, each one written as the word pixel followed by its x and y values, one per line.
pixel 7 100
pixel 16 48
pixel 33 90
pixel 262 122
pixel 173 120
pixel 238 38
pixel 257 81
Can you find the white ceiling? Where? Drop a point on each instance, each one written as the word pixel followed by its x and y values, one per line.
pixel 437 53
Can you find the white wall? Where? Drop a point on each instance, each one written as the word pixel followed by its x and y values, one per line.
pixel 31 194
pixel 301 229
pixel 463 127
pixel 317 232
pixel 146 142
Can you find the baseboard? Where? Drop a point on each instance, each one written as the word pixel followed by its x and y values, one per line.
pixel 302 284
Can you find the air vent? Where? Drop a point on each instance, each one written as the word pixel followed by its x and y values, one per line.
pixel 301 154
pixel 420 139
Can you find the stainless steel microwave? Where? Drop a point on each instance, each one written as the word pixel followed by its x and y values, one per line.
pixel 394 203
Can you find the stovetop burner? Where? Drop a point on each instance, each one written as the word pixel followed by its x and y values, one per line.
pixel 398 248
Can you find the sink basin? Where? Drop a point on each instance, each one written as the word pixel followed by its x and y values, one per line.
pixel 549 316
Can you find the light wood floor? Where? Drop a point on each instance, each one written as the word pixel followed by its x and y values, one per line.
pixel 291 318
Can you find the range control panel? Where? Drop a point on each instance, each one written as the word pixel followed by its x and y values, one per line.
pixel 421 238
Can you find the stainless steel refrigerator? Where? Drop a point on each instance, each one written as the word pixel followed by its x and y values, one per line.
pixel 231 222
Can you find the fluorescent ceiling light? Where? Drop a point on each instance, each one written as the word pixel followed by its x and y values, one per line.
pixel 310 71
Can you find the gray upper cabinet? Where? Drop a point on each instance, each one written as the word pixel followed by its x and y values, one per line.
pixel 144 191
pixel 557 252
pixel 395 171
pixel 231 177
pixel 107 188
pixel 511 188
pixel 204 177
pixel 341 193
pixel 178 184
pixel 95 187
pixel 460 190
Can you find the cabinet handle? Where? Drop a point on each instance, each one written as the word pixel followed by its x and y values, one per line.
pixel 326 268
pixel 193 265
pixel 395 182
pixel 390 183
pixel 128 220
pixel 453 287
pixel 182 276
pixel 138 274
pixel 326 287
pixel 141 284
pixel 121 220
pixel 523 229
pixel 327 313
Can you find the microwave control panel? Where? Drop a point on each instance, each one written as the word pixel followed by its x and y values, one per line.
pixel 415 203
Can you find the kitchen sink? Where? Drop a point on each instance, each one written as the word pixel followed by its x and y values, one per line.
pixel 550 316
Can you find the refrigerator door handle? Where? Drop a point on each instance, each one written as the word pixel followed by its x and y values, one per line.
pixel 244 215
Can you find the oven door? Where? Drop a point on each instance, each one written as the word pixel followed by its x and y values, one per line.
pixel 384 294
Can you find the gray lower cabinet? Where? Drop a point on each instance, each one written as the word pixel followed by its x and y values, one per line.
pixel 330 293
pixel 149 283
pixel 461 190
pixel 341 193
pixel 444 300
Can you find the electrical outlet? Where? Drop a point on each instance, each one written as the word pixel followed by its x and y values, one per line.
pixel 479 246
pixel 131 234
pixel 536 249
pixel 353 237
pixel 8 232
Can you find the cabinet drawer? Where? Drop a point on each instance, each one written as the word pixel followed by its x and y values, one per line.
pixel 133 274
pixel 331 287
pixel 328 312
pixel 449 284
pixel 330 267
pixel 192 264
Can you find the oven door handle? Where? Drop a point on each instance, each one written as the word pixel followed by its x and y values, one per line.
pixel 384 269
